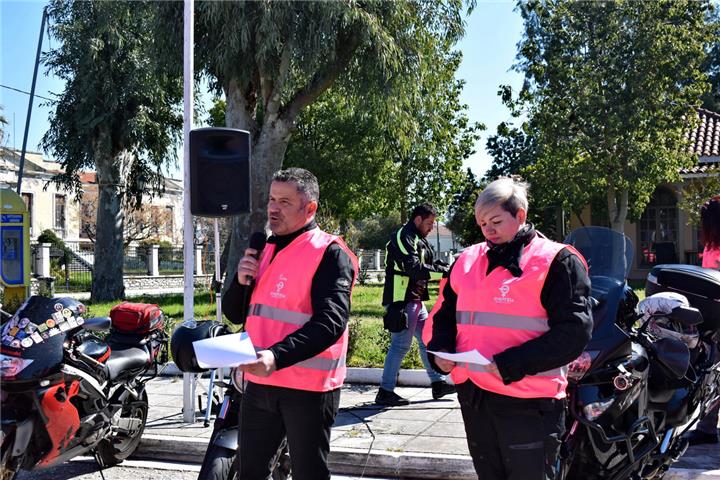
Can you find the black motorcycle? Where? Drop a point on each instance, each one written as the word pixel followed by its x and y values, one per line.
pixel 219 462
pixel 632 386
pixel 66 391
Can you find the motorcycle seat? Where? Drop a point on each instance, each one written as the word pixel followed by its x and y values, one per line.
pixel 124 357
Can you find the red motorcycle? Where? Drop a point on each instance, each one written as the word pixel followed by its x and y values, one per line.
pixel 70 391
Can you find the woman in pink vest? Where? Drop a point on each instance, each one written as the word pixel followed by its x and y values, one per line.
pixel 297 320
pixel 706 430
pixel 521 301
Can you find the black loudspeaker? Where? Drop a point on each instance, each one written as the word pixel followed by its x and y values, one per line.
pixel 219 172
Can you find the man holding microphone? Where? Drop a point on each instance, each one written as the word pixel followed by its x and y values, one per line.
pixel 297 318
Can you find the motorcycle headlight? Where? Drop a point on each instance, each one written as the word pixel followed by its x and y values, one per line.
pixel 237 378
pixel 593 410
pixel 11 366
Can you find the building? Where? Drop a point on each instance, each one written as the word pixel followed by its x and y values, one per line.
pixel 53 207
pixel 663 233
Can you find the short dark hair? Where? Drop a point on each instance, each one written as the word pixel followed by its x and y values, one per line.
pixel 425 210
pixel 306 182
pixel 710 220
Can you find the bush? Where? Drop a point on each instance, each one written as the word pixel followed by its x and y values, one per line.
pixel 48 236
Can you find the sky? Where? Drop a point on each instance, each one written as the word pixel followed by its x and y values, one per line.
pixel 489 48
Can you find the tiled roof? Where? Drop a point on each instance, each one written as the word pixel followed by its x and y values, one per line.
pixel 705 137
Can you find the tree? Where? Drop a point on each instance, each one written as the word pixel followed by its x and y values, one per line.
pixel 695 193
pixel 117 115
pixel 140 224
pixel 711 66
pixel 462 211
pixel 3 124
pixel 271 60
pixel 611 88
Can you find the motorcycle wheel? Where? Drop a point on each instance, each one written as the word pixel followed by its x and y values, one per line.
pixel 5 472
pixel 219 464
pixel 120 445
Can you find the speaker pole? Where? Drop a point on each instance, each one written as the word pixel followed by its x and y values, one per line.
pixel 188 250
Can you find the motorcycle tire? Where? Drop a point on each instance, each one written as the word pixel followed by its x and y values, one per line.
pixel 121 445
pixel 218 464
pixel 7 473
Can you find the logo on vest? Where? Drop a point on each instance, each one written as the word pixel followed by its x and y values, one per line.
pixel 279 286
pixel 504 290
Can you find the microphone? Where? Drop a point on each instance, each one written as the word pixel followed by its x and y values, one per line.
pixel 257 242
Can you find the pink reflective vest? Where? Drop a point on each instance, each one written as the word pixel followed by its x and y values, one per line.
pixel 281 304
pixel 499 311
pixel 711 258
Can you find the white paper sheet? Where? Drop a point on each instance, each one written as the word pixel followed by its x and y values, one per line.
pixel 473 356
pixel 224 351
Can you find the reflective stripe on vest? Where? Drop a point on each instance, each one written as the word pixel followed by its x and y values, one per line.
pixel 279 314
pixel 497 311
pixel 474 367
pixel 281 304
pixel 487 319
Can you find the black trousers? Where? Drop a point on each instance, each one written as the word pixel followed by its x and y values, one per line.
pixel 511 438
pixel 268 414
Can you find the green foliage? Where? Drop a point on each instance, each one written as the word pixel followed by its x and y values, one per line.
pixel 48 236
pixel 711 65
pixel 116 97
pixel 374 232
pixel 462 211
pixel 695 193
pixel 610 93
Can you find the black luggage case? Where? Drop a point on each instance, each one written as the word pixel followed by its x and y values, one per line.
pixel 700 285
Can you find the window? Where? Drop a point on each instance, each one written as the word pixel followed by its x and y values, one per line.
pixel 60 214
pixel 28 199
pixel 658 230
pixel 87 219
pixel 169 223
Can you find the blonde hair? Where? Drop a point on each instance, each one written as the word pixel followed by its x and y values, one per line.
pixel 508 193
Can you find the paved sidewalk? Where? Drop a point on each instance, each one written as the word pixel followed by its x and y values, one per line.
pixel 424 440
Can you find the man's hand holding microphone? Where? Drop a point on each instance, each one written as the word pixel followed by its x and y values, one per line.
pixel 246 273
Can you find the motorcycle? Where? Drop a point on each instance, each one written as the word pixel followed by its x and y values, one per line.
pixel 633 386
pixel 219 462
pixel 71 391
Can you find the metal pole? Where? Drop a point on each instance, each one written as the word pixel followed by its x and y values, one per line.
pixel 30 102
pixel 189 251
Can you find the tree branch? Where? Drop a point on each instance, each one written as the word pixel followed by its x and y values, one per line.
pixel 345 45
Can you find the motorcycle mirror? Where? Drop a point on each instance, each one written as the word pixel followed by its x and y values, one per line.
pixel 688 316
pixel 672 354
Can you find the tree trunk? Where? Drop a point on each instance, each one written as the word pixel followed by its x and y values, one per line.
pixel 107 279
pixel 267 157
pixel 617 202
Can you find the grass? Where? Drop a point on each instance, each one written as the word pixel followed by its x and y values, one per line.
pixel 369 341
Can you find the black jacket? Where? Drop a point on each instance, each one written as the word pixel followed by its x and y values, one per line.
pixel 330 296
pixel 409 254
pixel 565 296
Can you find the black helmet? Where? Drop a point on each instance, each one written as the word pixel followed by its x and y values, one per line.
pixel 185 334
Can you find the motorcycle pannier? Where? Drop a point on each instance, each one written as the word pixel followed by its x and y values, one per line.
pixel 138 318
pixel 701 286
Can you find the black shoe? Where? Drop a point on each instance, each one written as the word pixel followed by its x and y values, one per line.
pixel 697 437
pixel 390 399
pixel 441 388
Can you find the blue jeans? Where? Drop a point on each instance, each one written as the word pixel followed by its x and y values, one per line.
pixel 400 345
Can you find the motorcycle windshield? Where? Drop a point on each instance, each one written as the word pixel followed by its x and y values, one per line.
pixel 37 332
pixel 608 253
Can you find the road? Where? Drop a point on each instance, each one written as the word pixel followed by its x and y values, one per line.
pixel 87 469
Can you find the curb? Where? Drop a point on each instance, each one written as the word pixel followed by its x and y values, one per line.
pixel 367 376
pixel 341 460
pixel 350 461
